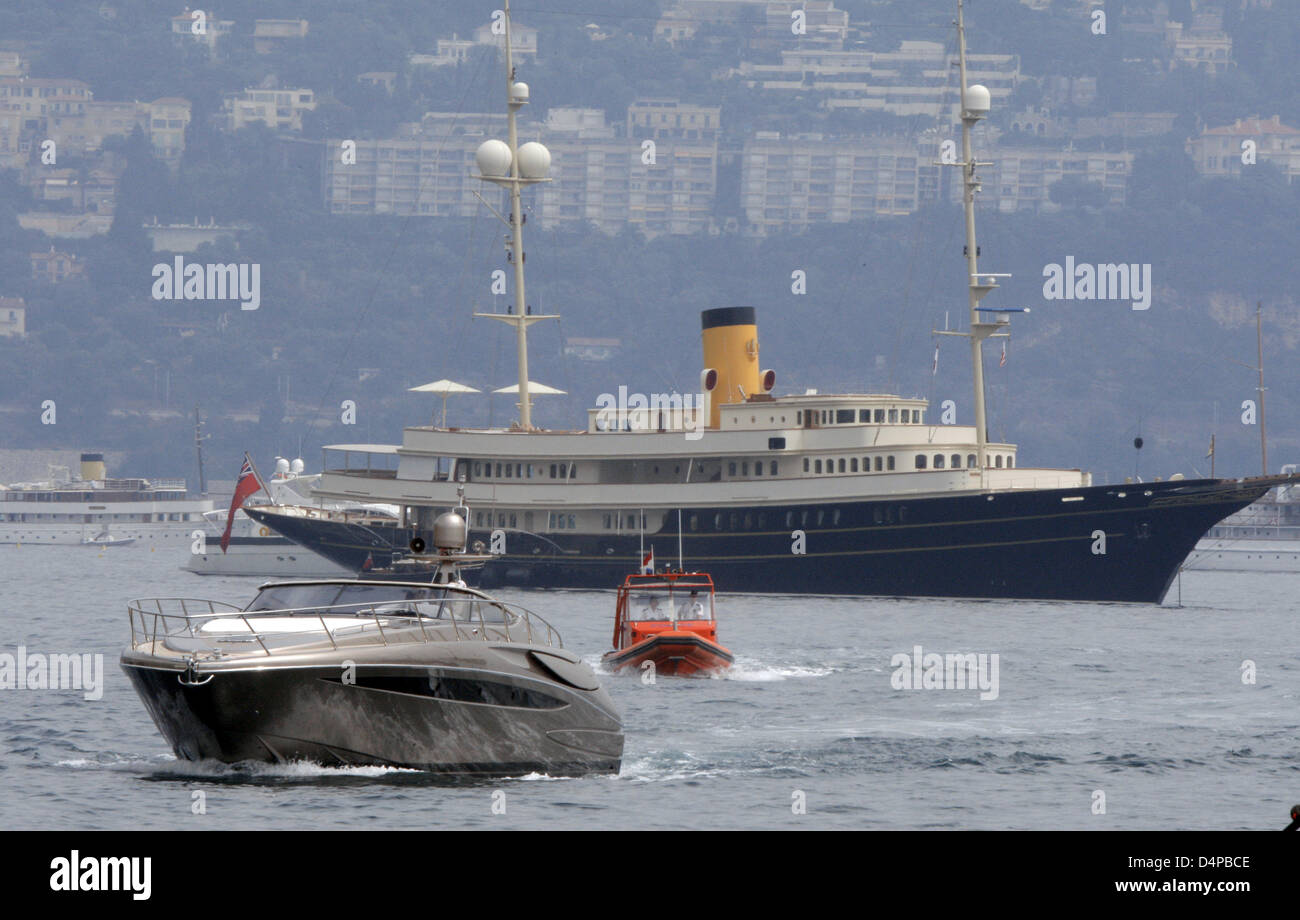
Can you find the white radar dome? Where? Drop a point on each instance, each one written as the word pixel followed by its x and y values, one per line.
pixel 978 100
pixel 534 161
pixel 493 158
pixel 298 466
pixel 281 466
pixel 519 91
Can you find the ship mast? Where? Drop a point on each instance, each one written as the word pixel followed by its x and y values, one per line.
pixel 975 102
pixel 1263 429
pixel 492 163
pixel 199 438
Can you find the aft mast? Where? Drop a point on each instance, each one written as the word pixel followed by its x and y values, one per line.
pixel 525 166
pixel 975 103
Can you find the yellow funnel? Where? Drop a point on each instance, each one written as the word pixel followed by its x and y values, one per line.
pixel 730 337
pixel 92 467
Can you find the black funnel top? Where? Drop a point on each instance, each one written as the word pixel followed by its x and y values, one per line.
pixel 727 316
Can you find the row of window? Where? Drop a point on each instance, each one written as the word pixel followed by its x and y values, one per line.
pixel 142 518
pixel 695 522
pixel 848 464
pixel 556 520
pixel 859 416
pixel 744 465
pixel 743 468
pixel 481 470
pixel 760 520
pixel 881 464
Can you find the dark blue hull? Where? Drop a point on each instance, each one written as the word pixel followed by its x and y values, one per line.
pixel 1026 544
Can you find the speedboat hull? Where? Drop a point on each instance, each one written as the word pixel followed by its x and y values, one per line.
pixel 438 718
pixel 675 653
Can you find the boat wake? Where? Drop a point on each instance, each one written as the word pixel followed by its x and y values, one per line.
pixel 165 767
pixel 749 669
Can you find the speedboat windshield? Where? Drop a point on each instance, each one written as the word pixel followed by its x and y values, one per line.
pixel 319 596
pixel 387 599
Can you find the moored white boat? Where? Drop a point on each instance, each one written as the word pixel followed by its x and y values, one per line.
pixel 254 549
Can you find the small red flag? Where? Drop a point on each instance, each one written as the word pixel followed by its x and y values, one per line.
pixel 648 562
pixel 246 485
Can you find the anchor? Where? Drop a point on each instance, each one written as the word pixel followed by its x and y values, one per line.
pixel 191 675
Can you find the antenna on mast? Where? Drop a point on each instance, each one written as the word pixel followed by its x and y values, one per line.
pixel 508 164
pixel 199 438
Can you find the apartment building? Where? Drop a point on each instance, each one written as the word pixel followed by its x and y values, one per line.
pixel 657 171
pixel 33 110
pixel 914 80
pixel 427 169
pixel 1021 179
pixel 278 109
pixel 658 174
pixel 792 182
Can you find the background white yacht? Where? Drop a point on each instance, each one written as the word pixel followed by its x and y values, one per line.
pixel 1263 537
pixel 68 511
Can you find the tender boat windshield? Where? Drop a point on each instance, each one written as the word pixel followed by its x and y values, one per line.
pixel 683 603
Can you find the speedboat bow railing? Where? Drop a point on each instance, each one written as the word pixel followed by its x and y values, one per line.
pixel 434 619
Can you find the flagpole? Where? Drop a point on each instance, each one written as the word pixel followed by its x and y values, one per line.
pixel 680 566
pixel 260 481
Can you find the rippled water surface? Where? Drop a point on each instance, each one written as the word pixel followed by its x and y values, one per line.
pixel 1145 705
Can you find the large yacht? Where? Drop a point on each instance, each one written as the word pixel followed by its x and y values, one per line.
pixel 93 509
pixel 805 493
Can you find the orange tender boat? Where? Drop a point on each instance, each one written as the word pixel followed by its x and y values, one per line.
pixel 667 619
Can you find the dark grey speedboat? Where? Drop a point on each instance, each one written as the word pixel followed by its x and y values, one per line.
pixel 432 675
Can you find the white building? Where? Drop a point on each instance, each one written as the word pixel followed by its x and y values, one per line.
pixel 278 109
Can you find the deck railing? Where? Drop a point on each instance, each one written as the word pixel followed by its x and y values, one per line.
pixel 162 618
